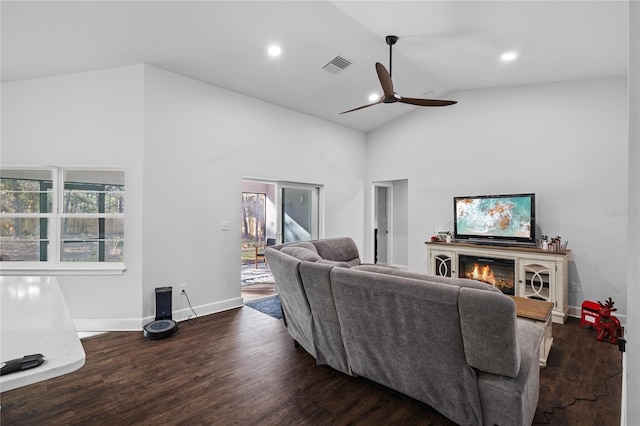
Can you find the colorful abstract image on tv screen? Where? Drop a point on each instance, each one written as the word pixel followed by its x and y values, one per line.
pixel 498 217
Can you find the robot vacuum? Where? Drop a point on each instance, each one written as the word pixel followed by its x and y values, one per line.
pixel 160 329
pixel 163 326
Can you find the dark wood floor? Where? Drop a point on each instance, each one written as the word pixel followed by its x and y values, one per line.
pixel 240 367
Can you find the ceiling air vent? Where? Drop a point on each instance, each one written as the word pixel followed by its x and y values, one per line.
pixel 337 64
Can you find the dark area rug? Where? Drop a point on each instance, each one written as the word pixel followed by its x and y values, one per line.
pixel 269 305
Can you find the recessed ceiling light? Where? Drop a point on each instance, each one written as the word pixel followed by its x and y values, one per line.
pixel 274 50
pixel 509 56
pixel 374 97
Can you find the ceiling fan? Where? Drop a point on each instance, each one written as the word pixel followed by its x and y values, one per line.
pixel 389 95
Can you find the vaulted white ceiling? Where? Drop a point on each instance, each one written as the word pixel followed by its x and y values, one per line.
pixel 443 47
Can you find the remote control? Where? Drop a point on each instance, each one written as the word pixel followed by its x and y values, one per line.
pixel 19 364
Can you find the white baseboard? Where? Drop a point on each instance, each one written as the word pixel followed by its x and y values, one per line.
pixel 107 324
pixel 91 325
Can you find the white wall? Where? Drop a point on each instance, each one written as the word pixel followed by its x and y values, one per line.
pixel 567 142
pixel 400 225
pixel 184 146
pixel 632 332
pixel 200 141
pixel 86 119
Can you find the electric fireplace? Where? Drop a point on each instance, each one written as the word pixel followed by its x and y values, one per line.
pixel 497 272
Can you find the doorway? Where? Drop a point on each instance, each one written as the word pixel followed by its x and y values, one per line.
pixel 382 232
pixel 273 212
pixel 389 223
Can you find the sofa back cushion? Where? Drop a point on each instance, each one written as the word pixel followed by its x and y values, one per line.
pixel 293 300
pixel 327 335
pixel 342 249
pixel 405 334
pixel 489 331
pixel 460 282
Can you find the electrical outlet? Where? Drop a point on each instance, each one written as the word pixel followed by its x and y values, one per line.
pixel 183 288
pixel 224 225
pixel 575 287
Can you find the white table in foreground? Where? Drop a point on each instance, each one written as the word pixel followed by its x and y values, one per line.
pixel 34 319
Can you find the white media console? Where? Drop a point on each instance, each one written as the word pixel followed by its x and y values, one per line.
pixel 537 274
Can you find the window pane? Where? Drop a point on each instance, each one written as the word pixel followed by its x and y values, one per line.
pixel 25 191
pixel 92 240
pixel 253 225
pixel 24 239
pixel 93 191
pixel 29 224
pixel 79 251
pixel 25 202
pixel 22 228
pixel 23 250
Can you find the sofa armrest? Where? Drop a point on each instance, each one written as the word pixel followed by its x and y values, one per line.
pixel 516 398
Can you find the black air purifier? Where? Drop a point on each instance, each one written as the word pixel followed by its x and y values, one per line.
pixel 163 326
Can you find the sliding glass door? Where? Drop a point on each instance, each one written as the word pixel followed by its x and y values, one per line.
pixel 298 213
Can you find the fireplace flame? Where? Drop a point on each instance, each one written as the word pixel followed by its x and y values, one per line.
pixel 483 273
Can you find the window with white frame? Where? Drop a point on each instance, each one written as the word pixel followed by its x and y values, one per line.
pixel 59 217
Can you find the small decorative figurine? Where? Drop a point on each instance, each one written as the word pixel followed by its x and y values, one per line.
pixel 609 327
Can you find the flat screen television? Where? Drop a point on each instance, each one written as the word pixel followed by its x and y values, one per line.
pixel 495 219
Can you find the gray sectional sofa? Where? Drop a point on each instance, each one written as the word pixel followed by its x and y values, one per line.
pixel 454 344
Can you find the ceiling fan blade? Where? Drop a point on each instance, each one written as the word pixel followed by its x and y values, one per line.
pixel 364 106
pixel 385 80
pixel 426 102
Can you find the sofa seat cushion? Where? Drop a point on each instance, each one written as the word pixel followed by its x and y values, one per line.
pixel 334 263
pixel 301 253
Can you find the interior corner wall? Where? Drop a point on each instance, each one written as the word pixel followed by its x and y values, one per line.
pixel 400 225
pixel 631 392
pixel 200 141
pixel 184 146
pixel 86 119
pixel 550 139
